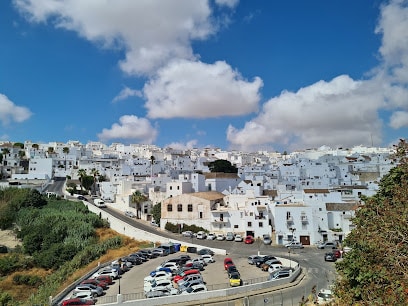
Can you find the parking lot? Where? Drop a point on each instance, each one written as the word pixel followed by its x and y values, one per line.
pixel 214 275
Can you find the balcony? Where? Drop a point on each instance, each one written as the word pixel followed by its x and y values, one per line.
pixel 219 221
pixel 304 219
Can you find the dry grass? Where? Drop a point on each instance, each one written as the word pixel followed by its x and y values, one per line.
pixel 22 292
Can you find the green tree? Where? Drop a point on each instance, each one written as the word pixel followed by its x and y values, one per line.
pixel 88 181
pixel 375 271
pixel 81 174
pixel 18 145
pixel 156 212
pixel 95 175
pixel 138 198
pixel 222 165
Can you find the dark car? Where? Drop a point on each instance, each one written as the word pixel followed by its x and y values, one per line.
pixel 264 259
pixel 330 257
pixel 205 252
pixel 231 269
pixel 82 198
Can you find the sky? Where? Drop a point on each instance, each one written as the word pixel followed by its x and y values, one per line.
pixel 246 75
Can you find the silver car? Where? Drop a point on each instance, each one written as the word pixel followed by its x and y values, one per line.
pixel 95 290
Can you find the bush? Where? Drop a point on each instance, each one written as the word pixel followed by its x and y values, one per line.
pixel 28 280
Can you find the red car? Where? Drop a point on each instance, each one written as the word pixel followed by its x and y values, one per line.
pixel 337 253
pixel 228 262
pixel 105 278
pixel 96 282
pixel 249 239
pixel 77 301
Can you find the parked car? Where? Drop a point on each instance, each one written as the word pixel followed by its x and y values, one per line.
pixel 337 253
pixel 264 259
pixel 327 245
pixel 181 275
pixel 161 269
pixel 161 292
pixel 230 236
pixel 157 275
pixel 201 235
pixel 104 271
pixel 96 291
pixel 330 257
pixel 77 301
pixel 95 282
pixel 274 267
pixel 153 223
pixel 238 238
pixel 253 259
pixel 211 236
pixel 86 295
pixel 189 278
pixel 154 285
pixel 195 288
pixel 249 239
pixel 325 295
pixel 187 234
pixel 220 237
pixel 160 252
pixel 266 239
pixel 194 265
pixel 235 279
pixel 207 258
pixel 265 266
pixel 104 278
pixel 130 214
pixel 182 287
pixel 148 253
pixel 82 198
pixel 205 251
pixel 282 273
pixel 294 245
pixel 228 262
pixel 232 269
pixel 172 265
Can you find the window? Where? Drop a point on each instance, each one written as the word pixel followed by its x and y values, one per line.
pixel 190 207
pixel 171 187
pixel 169 207
pixel 236 226
pixel 201 215
pixel 179 207
pixel 178 187
pixel 221 217
pixel 249 224
pixel 260 224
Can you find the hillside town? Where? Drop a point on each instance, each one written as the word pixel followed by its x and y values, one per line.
pixel 309 196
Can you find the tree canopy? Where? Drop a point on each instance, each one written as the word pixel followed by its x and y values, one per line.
pixel 222 165
pixel 375 271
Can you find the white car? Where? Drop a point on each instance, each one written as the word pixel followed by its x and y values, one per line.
pixel 130 214
pixel 274 267
pixel 325 295
pixel 220 237
pixel 211 236
pixel 187 234
pixel 238 238
pixel 171 265
pixel 199 260
pixel 111 272
pixel 208 258
pixel 158 275
pixel 294 245
pixel 201 235
pixel 195 289
pixel 154 285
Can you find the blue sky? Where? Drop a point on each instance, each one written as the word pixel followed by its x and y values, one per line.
pixel 246 75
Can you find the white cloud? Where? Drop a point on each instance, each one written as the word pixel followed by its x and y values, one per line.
pixel 183 146
pixel 227 3
pixel 198 90
pixel 339 112
pixel 399 119
pixel 130 128
pixel 10 112
pixel 125 93
pixel 151 32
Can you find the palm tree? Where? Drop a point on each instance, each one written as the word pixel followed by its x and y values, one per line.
pixel 81 174
pixel 66 151
pixel 138 198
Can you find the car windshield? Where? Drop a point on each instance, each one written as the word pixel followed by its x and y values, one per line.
pixel 234 276
pixel 325 295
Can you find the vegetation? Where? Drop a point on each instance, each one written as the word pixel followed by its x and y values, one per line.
pixel 222 165
pixel 375 271
pixel 156 213
pixel 138 198
pixel 58 238
pixel 177 228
